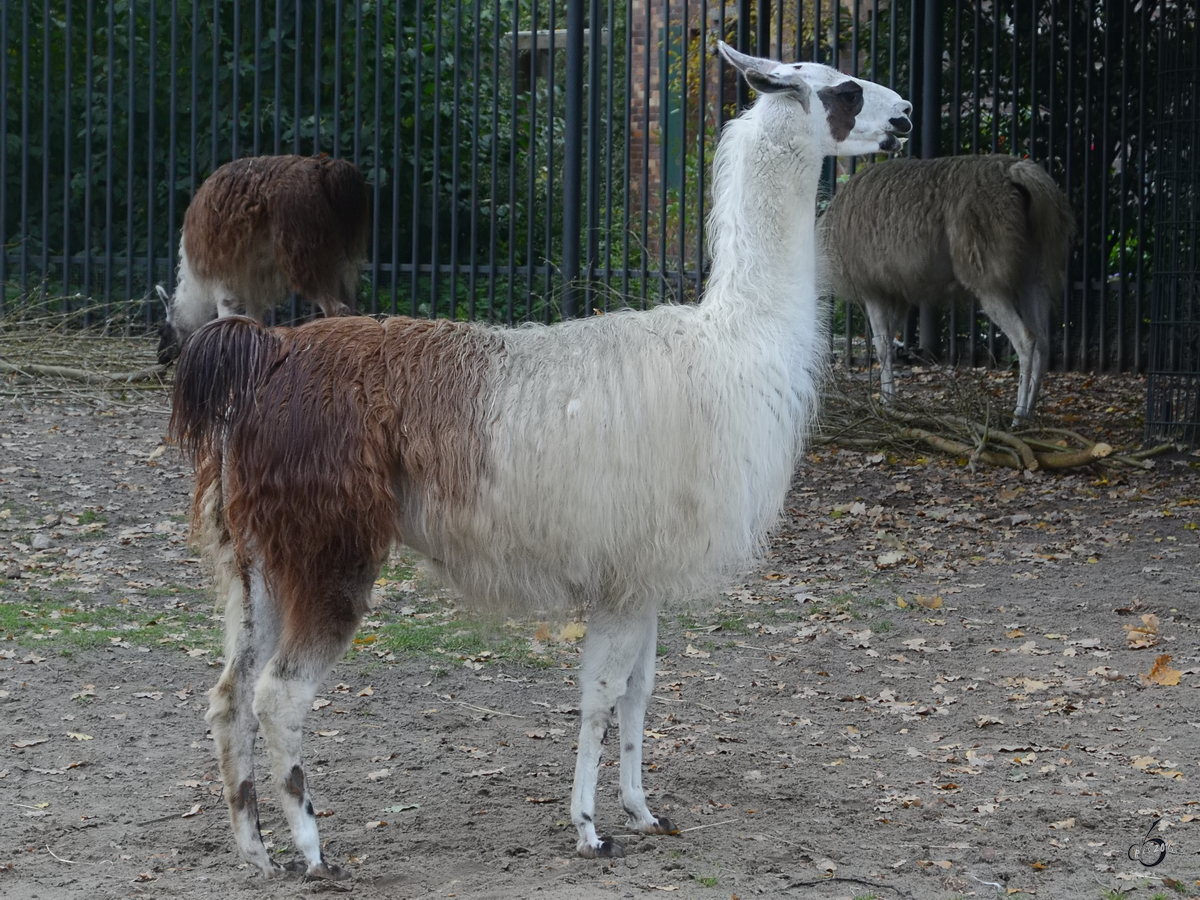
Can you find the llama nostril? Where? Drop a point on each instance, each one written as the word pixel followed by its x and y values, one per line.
pixel 901 124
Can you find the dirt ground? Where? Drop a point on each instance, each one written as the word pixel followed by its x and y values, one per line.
pixel 937 684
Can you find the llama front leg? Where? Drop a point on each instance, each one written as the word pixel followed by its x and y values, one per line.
pixel 250 636
pixel 618 663
pixel 631 714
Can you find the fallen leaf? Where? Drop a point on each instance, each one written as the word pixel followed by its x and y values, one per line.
pixel 1064 825
pixel 543 632
pixel 379 774
pixel 891 558
pixel 31 742
pixel 79 737
pixel 194 811
pixel 368 691
pixel 378 824
pixel 929 602
pixel 1162 673
pixel 572 632
pixel 320 703
pixel 1144 635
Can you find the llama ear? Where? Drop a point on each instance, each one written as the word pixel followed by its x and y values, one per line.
pixel 764 77
pixel 163 295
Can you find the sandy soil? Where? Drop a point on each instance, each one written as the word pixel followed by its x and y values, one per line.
pixel 929 689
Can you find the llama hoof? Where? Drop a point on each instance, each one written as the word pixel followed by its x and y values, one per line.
pixel 662 825
pixel 608 849
pixel 326 872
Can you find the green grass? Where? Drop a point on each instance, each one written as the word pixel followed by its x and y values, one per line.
pixel 707 880
pixel 45 624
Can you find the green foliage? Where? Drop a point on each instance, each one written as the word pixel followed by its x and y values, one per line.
pixel 141 101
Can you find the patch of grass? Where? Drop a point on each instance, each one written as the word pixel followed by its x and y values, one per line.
pixel 90 516
pixel 882 627
pixel 44 623
pixel 866 897
pixel 707 880
pixel 1114 894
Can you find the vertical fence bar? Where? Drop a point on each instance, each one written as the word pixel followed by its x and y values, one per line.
pixel 435 180
pixel 110 191
pixel 593 157
pixel 235 63
pixel 89 162
pixel 547 250
pixel 573 161
pixel 66 186
pixel 476 118
pixel 194 149
pixel 45 147
pixel 414 281
pixel 1140 311
pixel 256 103
pixel 298 76
pixel 337 78
pixel 150 149
pixel 26 47
pixel 455 162
pixel 1123 204
pixel 395 298
pixel 627 172
pixel 494 170
pixel 216 82
pixel 277 120
pixel 358 57
pixel 376 148
pixel 1086 227
pixel 645 250
pixel 4 114
pixel 172 154
pixel 702 137
pixel 318 49
pixel 511 298
pixel 1104 167
pixel 130 140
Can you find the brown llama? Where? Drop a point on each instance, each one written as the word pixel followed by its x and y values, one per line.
pixel 260 227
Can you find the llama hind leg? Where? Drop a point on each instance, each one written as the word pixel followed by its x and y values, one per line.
pixel 1003 312
pixel 251 634
pixel 314 637
pixel 618 662
pixel 880 317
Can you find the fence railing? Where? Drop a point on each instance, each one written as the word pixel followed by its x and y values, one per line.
pixel 523 154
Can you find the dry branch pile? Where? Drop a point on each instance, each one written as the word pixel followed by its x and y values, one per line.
pixel 959 413
pixel 52 353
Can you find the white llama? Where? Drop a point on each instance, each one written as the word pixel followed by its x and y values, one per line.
pixel 613 464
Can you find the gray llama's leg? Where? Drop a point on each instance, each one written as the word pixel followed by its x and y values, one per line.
pixel 882 329
pixel 1003 312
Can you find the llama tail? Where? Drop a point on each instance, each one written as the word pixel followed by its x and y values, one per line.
pixel 1051 222
pixel 218 372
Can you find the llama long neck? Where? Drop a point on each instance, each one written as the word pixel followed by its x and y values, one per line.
pixel 761 230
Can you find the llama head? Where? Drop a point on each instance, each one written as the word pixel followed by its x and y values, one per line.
pixel 847 116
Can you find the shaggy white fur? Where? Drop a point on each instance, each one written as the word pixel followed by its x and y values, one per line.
pixel 611 465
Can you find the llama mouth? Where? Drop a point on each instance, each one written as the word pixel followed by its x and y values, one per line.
pixel 891 143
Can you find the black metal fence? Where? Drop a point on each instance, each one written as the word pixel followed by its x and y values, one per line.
pixel 1173 385
pixel 534 157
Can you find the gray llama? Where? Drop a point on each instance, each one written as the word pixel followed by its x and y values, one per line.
pixel 911 230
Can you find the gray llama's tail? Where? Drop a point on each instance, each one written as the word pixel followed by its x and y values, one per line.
pixel 1051 225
